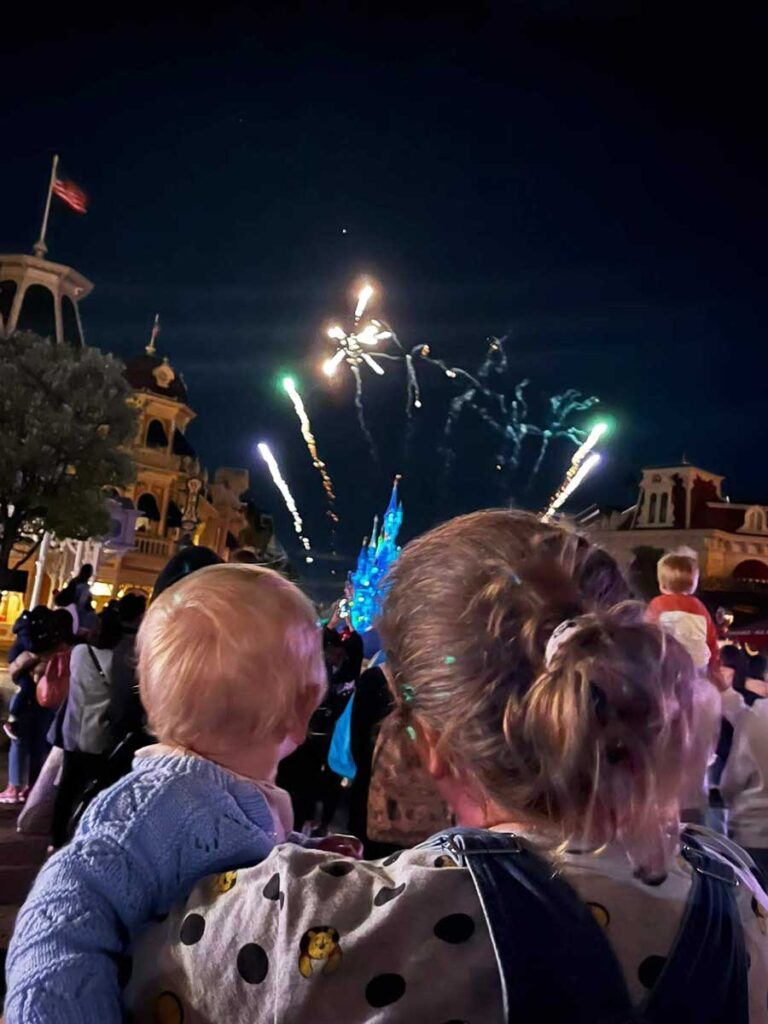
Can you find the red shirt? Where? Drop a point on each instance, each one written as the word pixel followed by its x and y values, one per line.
pixel 681 615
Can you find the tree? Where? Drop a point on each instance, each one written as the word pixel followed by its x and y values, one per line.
pixel 64 417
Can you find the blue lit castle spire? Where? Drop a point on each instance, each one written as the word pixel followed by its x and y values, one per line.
pixel 373 562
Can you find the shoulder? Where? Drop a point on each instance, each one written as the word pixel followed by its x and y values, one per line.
pixel 323 934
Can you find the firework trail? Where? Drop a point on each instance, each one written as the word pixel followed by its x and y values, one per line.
pixel 572 482
pixel 289 386
pixel 266 453
pixel 563 406
pixel 361 411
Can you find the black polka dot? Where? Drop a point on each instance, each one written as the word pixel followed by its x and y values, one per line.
pixel 386 894
pixel 650 969
pixel 338 868
pixel 192 929
pixel 272 888
pixel 392 858
pixel 455 928
pixel 385 989
pixel 252 964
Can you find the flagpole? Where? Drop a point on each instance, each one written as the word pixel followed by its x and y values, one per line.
pixel 41 248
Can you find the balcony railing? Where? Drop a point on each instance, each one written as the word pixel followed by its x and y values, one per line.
pixel 159 547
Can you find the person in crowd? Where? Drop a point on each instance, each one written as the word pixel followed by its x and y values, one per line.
pixel 125 713
pixel 230 671
pixel 558 726
pixel 372 703
pixel 85 736
pixel 76 598
pixel 305 774
pixel 683 615
pixel 38 634
pixel 744 782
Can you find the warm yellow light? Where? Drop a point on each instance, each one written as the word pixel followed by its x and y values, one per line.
pixel 362 300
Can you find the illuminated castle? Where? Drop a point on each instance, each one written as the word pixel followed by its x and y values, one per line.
pixel 375 558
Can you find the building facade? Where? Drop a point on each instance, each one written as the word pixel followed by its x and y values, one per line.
pixel 685 506
pixel 171 498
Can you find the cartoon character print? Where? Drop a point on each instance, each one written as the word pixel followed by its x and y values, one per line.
pixel 223 883
pixel 319 945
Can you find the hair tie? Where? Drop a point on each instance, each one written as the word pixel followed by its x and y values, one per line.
pixel 560 635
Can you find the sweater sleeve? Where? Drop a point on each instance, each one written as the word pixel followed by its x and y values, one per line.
pixel 140 848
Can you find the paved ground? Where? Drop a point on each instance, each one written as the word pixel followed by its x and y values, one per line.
pixel 20 860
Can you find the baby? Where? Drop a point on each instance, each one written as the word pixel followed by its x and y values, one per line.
pixel 230 668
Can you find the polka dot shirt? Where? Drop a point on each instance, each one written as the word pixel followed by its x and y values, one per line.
pixel 310 936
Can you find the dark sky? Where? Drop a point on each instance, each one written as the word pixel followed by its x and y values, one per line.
pixel 586 178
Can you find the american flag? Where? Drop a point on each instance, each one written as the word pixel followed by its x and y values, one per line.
pixel 71 194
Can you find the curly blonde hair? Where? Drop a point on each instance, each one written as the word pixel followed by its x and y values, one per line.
pixel 592 741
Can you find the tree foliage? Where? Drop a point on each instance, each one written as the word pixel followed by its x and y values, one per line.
pixel 64 417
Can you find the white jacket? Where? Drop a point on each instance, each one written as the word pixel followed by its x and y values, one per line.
pixel 744 783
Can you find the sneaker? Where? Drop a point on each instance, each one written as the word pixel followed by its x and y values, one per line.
pixel 10 795
pixel 24 794
pixel 9 728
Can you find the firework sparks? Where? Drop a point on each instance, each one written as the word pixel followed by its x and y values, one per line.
pixel 571 483
pixel 266 453
pixel 289 386
pixel 353 347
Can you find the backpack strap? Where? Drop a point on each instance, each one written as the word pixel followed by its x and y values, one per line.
pixel 97 665
pixel 704 977
pixel 554 962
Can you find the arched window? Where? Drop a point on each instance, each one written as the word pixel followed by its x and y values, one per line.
pixel 652 508
pixel 663 508
pixel 147 506
pixel 156 435
pixel 7 295
pixel 69 323
pixel 38 312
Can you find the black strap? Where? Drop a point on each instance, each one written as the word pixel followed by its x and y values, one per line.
pixel 556 964
pixel 96 664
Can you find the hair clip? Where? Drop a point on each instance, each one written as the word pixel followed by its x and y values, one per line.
pixel 449 660
pixel 515 579
pixel 406 692
pixel 411 732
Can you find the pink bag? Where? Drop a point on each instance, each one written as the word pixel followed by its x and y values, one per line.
pixel 53 687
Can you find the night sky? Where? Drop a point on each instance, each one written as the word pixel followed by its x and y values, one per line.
pixel 587 179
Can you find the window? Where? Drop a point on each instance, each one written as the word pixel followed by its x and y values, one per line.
pixel 69 323
pixel 147 506
pixel 663 508
pixel 7 295
pixel 652 508
pixel 38 312
pixel 156 435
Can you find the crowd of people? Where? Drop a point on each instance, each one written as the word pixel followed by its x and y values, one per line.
pixel 593 772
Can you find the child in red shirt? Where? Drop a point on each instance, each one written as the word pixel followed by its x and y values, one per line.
pixel 684 616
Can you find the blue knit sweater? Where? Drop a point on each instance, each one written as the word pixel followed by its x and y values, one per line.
pixel 141 847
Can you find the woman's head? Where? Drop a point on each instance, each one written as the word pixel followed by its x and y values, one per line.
pixel 590 736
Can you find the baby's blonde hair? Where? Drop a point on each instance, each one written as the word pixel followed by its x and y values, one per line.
pixel 678 573
pixel 592 741
pixel 226 655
